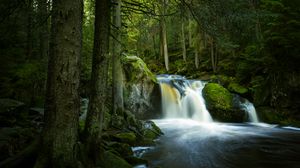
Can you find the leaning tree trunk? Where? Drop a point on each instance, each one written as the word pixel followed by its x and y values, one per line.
pixel 117 66
pixel 98 96
pixel 60 134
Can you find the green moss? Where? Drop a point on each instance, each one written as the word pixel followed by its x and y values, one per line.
pixel 127 137
pixel 112 160
pixel 217 97
pixel 107 120
pixel 219 102
pixel 136 67
pixel 149 134
pixel 222 79
pixel 236 88
pixel 122 148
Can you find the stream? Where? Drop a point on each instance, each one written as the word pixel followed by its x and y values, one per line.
pixel 191 144
pixel 193 140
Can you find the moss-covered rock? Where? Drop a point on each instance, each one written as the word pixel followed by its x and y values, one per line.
pixel 112 160
pixel 142 92
pixel 217 97
pixel 277 116
pixel 123 149
pixel 219 102
pixel 237 88
pixel 135 69
pixel 126 137
pixel 148 133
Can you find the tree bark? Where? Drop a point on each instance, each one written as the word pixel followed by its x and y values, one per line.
pixel 43 28
pixel 183 41
pixel 190 31
pixel 196 58
pixel 164 35
pixel 62 99
pixel 98 96
pixel 29 41
pixel 117 66
pixel 212 55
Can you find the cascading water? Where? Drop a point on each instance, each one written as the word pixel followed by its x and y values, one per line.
pixel 182 98
pixel 189 143
pixel 250 109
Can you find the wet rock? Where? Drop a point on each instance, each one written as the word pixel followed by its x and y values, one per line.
pixel 217 97
pixel 136 161
pixel 126 137
pixel 112 160
pixel 219 102
pixel 122 148
pixel 142 92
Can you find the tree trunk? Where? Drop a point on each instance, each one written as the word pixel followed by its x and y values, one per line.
pixel 190 31
pixel 29 41
pixel 62 99
pixel 183 42
pixel 154 47
pixel 98 96
pixel 117 66
pixel 43 28
pixel 196 58
pixel 212 55
pixel 161 43
pixel 164 35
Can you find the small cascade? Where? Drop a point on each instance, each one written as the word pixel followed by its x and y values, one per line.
pixel 182 98
pixel 250 109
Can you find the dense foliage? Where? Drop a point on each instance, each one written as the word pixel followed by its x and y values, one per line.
pixel 250 44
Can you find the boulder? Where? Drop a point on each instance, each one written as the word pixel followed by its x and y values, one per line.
pixel 112 160
pixel 277 116
pixel 11 112
pixel 122 148
pixel 219 102
pixel 142 92
pixel 237 88
pixel 125 137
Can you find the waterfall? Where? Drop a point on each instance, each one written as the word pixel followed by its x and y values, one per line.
pixel 182 98
pixel 250 109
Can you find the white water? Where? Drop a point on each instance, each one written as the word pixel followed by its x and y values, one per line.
pixel 182 98
pixel 249 107
pixel 192 144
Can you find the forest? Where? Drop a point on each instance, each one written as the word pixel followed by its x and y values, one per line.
pixel 149 83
